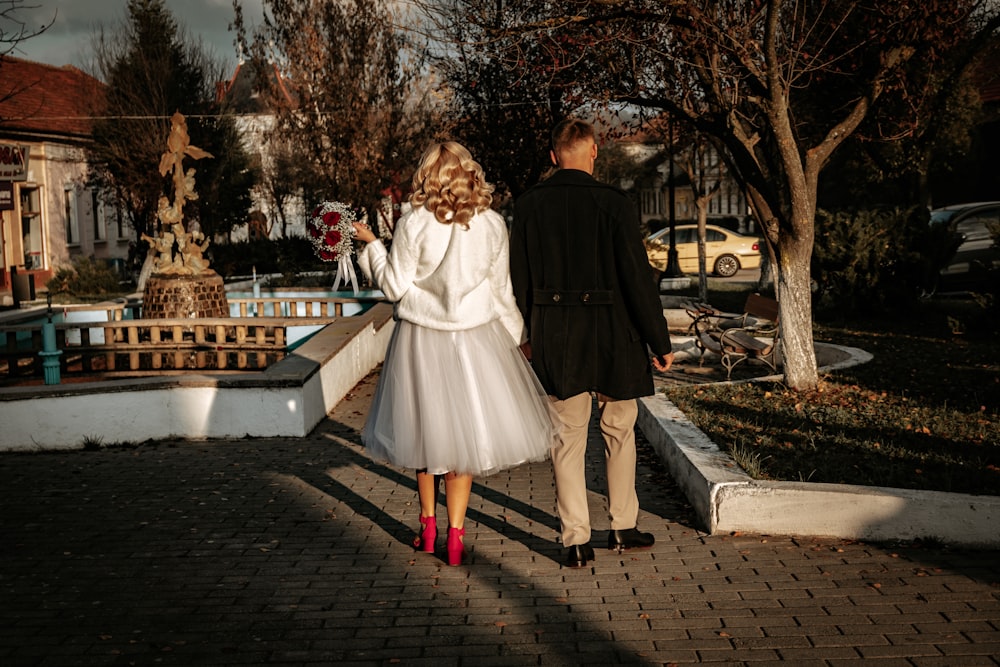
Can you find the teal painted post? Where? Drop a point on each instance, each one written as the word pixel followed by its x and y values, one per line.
pixel 49 353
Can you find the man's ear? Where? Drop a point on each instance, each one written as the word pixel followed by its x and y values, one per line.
pixel 593 151
pixel 552 154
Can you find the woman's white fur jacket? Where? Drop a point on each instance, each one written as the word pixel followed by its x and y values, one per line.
pixel 444 276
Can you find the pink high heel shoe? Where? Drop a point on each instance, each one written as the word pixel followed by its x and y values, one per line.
pixel 456 548
pixel 428 535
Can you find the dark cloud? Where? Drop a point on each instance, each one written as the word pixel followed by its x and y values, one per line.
pixel 68 40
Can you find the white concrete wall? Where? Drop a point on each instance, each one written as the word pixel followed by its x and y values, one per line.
pixel 288 399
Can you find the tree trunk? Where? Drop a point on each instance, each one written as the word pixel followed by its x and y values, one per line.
pixel 795 313
pixel 766 280
pixel 702 203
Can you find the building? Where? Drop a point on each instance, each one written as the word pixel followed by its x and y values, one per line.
pixel 652 184
pixel 278 213
pixel 50 214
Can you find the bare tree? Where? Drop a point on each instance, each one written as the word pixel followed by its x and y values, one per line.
pixel 354 99
pixel 503 114
pixel 913 134
pixel 14 29
pixel 779 84
pixel 701 162
pixel 280 179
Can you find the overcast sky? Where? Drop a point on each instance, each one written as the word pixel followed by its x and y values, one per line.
pixel 68 40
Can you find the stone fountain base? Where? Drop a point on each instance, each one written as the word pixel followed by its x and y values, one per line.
pixel 183 297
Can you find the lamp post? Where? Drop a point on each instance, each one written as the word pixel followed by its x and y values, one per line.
pixel 50 354
pixel 673 269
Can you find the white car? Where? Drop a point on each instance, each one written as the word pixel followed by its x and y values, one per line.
pixel 726 252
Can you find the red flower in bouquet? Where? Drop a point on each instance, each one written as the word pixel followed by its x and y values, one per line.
pixel 331 230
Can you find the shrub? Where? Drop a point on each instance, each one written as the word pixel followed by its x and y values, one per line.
pixel 876 260
pixel 291 255
pixel 87 277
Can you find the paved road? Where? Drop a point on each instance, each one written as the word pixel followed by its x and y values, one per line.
pixel 295 552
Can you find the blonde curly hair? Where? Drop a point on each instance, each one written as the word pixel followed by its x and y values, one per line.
pixel 450 184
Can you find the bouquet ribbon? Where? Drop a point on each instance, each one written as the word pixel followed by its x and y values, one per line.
pixel 345 273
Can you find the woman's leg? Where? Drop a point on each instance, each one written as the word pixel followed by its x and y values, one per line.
pixel 457 489
pixel 427 491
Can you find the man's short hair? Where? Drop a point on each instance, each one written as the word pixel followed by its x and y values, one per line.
pixel 568 132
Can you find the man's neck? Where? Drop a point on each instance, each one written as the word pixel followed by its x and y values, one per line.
pixel 578 166
pixel 580 158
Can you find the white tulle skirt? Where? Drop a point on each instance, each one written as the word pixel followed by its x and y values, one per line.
pixel 457 401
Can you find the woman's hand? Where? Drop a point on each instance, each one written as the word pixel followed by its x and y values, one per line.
pixel 362 233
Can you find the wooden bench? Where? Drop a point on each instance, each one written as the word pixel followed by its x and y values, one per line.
pixel 737 337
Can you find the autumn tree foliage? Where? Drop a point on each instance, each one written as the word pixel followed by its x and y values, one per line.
pixel 353 101
pixel 152 70
pixel 778 84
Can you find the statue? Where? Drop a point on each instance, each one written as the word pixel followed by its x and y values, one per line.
pixel 178 251
pixel 180 283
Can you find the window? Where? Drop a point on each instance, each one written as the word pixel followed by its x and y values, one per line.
pixel 976 227
pixel 686 235
pixel 115 213
pixel 69 209
pixel 31 228
pixel 651 202
pixel 100 219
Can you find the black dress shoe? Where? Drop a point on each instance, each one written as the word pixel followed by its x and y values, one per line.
pixel 578 555
pixel 631 538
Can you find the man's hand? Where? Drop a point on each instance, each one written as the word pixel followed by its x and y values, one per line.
pixel 663 363
pixel 526 350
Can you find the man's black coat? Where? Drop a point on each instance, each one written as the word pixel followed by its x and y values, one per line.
pixel 585 288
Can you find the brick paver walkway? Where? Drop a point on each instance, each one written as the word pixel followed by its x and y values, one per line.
pixel 296 552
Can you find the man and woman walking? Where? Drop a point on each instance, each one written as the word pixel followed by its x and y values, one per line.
pixel 503 343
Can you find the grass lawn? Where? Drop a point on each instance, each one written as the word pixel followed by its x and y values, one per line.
pixel 923 414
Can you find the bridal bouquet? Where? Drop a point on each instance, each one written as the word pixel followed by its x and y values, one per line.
pixel 331 230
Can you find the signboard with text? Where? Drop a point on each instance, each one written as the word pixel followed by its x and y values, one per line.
pixel 14 162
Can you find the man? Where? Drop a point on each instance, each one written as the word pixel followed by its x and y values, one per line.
pixel 592 310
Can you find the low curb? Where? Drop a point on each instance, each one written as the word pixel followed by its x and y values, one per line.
pixel 725 499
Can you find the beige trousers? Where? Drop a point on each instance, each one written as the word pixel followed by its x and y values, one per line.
pixel 569 461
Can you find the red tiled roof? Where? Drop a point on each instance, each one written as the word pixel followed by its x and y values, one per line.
pixel 42 99
pixel 240 91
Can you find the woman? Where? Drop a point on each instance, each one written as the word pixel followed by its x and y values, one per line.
pixel 455 397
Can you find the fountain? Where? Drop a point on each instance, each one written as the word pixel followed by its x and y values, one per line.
pixel 182 284
pixel 190 367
